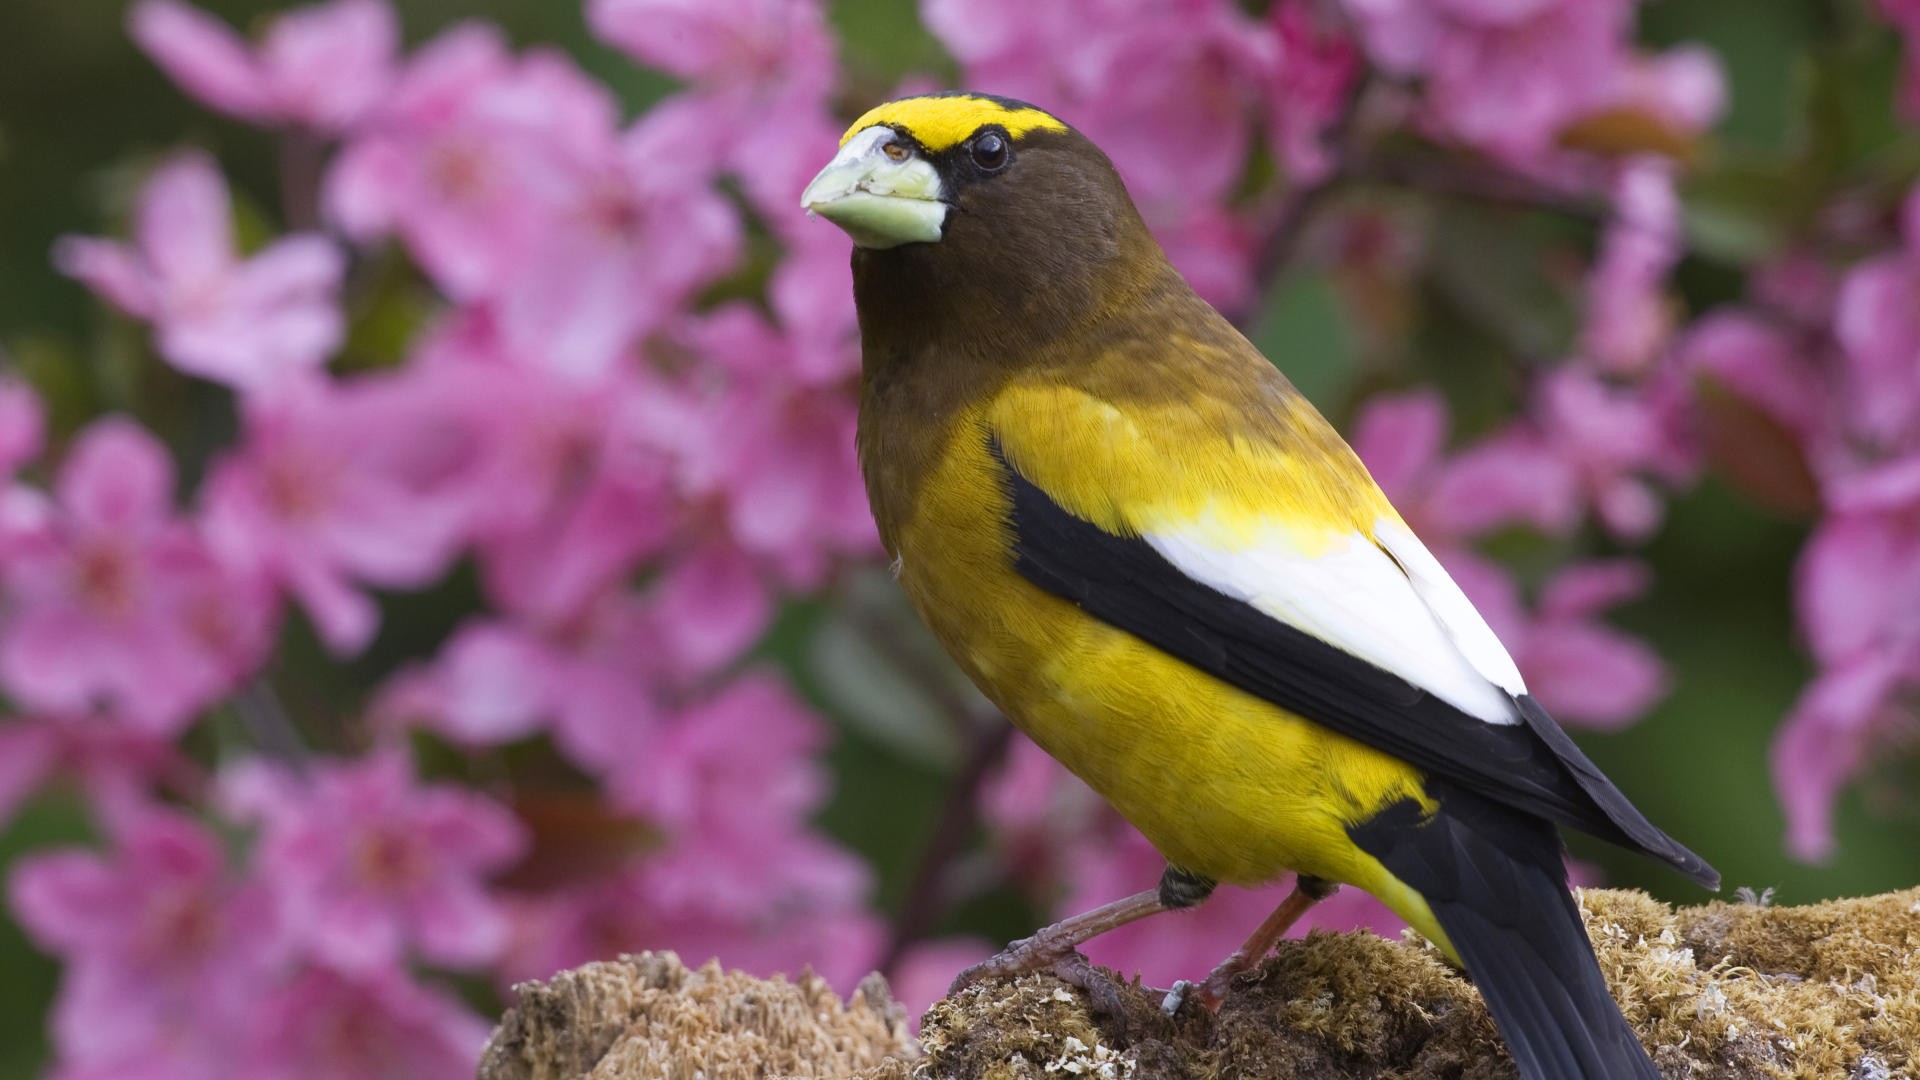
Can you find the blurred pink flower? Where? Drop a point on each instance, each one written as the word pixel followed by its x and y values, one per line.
pixel 1629 316
pixel 1613 439
pixel 459 161
pixel 113 766
pixel 1583 671
pixel 776 453
pixel 23 425
pixel 1853 708
pixel 367 862
pixel 1762 365
pixel 164 951
pixel 510 183
pixel 372 1025
pixel 1510 478
pixel 629 236
pixel 247 323
pixel 587 680
pixel 336 484
pixel 1879 331
pixel 708 606
pixel 828 930
pixel 323 67
pixel 1313 71
pixel 780 42
pixel 117 601
pixel 1505 76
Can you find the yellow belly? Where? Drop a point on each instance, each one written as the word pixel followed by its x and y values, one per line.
pixel 1223 783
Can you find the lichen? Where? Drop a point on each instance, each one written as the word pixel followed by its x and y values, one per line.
pixel 1725 990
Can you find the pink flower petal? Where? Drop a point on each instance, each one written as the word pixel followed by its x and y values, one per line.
pixel 330 64
pixel 117 476
pixel 200 53
pixel 1400 438
pixel 111 270
pixel 183 222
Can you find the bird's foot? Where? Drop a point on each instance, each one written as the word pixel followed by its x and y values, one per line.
pixel 1063 962
pixel 1041 952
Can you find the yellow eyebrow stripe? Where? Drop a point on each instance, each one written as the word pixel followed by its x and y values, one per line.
pixel 948 120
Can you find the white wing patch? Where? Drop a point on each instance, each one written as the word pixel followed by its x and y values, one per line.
pixel 1414 622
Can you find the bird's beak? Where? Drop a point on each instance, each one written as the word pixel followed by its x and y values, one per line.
pixel 882 192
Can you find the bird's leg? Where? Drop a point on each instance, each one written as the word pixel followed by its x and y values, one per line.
pixel 1052 947
pixel 1307 891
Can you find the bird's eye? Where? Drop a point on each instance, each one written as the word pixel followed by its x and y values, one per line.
pixel 990 151
pixel 896 152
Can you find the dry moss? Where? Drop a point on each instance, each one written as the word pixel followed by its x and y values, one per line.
pixel 649 1017
pixel 1725 990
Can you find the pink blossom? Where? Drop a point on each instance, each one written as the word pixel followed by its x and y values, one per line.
pixel 164 950
pixel 336 485
pixel 323 67
pixel 1505 77
pixel 1512 478
pixel 586 679
pixel 1613 438
pixel 117 601
pixel 1313 73
pixel 23 425
pixel 1582 670
pixel 248 323
pixel 1879 331
pixel 460 160
pixel 1850 709
pixel 371 1025
pixel 773 454
pixel 367 862
pixel 1684 88
pixel 629 239
pixel 510 183
pixel 1629 315
pixel 827 929
pixel 710 604
pixel 781 42
pixel 113 766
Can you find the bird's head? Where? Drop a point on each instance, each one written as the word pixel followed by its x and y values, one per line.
pixel 978 203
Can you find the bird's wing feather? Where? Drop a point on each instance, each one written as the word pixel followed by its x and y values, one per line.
pixel 1355 595
pixel 1269 625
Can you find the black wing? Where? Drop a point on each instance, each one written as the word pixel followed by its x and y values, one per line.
pixel 1532 766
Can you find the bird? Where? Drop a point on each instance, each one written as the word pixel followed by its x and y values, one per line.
pixel 1168 570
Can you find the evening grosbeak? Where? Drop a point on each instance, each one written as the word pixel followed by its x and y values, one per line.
pixel 1169 570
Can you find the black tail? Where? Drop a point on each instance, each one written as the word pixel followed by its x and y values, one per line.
pixel 1496 881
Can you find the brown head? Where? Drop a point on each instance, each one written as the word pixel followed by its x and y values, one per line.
pixel 983 223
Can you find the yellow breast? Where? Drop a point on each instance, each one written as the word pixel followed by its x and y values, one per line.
pixel 1223 783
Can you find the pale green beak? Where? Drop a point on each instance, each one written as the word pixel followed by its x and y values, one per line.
pixel 880 191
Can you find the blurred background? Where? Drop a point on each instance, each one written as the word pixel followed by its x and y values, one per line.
pixel 433 556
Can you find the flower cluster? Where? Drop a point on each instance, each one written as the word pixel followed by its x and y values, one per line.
pixel 634 477
pixel 620 430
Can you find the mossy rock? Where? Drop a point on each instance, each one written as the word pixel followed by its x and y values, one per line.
pixel 1725 990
